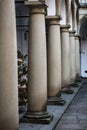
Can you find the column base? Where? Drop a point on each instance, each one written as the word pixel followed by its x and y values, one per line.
pixel 38 118
pixel 78 79
pixel 74 85
pixel 56 101
pixel 67 90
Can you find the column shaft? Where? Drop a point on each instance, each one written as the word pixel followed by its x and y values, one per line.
pixel 72 56
pixel 65 56
pixel 77 56
pixel 8 67
pixel 54 57
pixel 37 94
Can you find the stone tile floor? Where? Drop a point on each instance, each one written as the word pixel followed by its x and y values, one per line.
pixel 70 120
pixel 75 118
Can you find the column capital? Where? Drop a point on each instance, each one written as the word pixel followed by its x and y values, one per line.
pixel 77 36
pixel 36 7
pixel 65 28
pixel 72 33
pixel 34 3
pixel 53 20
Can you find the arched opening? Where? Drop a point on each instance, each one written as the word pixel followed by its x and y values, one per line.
pixel 22 29
pixel 83 49
pixel 22 26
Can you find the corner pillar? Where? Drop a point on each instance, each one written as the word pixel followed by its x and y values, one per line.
pixel 8 67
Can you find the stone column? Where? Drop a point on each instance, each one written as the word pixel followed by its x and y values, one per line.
pixel 72 56
pixel 8 67
pixel 77 56
pixel 54 61
pixel 65 58
pixel 37 86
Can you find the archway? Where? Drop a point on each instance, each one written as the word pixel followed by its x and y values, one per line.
pixel 83 46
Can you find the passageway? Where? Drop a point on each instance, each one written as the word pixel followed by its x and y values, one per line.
pixel 75 118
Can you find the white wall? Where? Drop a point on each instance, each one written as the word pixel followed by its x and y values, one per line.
pixel 83 33
pixel 51 7
pixel 84 57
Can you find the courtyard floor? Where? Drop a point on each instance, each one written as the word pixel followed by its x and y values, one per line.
pixel 71 116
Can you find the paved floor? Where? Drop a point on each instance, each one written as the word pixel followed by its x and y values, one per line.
pixel 57 112
pixel 75 118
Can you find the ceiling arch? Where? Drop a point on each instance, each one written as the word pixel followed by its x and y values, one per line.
pixel 83 27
